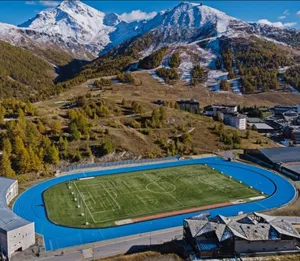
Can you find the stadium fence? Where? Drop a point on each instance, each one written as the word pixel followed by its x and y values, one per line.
pixel 116 163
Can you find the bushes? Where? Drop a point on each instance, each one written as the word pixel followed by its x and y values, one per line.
pixel 169 75
pixel 224 85
pixel 102 82
pixel 197 75
pixel 102 66
pixel 292 77
pixel 153 60
pixel 125 78
pixel 174 60
pixel 230 138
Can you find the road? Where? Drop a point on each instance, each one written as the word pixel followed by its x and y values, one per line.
pixel 120 246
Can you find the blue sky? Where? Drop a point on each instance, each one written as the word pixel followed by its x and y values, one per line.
pixel 16 12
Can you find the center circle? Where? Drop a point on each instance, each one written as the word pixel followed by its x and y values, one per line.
pixel 161 187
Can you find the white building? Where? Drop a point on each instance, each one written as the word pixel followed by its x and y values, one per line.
pixel 16 234
pixel 236 120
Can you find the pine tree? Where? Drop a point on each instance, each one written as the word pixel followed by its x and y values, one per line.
pixel 2 113
pixel 77 156
pixel 52 155
pixel 155 118
pixel 74 132
pixel 41 127
pixel 162 113
pixel 23 160
pixel 107 147
pixel 18 145
pixel 88 150
pixel 7 147
pixel 5 167
pixel 56 127
pixel 35 162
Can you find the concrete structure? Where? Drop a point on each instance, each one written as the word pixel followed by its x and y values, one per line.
pixel 278 109
pixel 219 236
pixel 254 120
pixel 235 120
pixel 262 127
pixel 285 160
pixel 230 116
pixel 16 234
pixel 192 105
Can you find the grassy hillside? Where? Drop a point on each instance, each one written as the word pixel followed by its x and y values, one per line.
pixel 24 75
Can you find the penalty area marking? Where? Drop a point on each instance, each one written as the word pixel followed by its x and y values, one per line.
pixel 85 203
pixel 92 197
pixel 114 200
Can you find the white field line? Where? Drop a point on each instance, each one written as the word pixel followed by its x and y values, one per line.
pixel 111 196
pixel 164 190
pixel 92 197
pixel 144 214
pixel 109 189
pixel 234 179
pixel 85 203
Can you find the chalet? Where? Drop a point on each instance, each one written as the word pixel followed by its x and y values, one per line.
pixel 243 235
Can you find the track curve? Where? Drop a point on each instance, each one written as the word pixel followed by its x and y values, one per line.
pixel 29 205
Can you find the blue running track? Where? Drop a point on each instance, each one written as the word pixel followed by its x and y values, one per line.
pixel 29 205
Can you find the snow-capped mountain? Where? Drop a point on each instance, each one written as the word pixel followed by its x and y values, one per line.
pixel 83 31
pixel 74 20
pixel 191 17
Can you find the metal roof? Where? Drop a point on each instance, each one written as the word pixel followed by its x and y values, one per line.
pixel 284 155
pixel 253 227
pixel 262 126
pixel 255 120
pixel 8 219
pixel 295 168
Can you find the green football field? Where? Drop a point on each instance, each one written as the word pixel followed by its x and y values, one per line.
pixel 105 200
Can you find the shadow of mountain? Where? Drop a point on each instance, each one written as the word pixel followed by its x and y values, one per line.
pixel 69 70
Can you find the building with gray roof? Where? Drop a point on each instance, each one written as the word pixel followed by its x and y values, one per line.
pixel 16 234
pixel 220 236
pixel 285 160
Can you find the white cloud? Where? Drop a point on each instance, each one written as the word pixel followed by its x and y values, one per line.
pixel 298 13
pixel 137 15
pixel 44 3
pixel 281 17
pixel 276 24
pixel 30 2
pixel 290 24
pixel 50 3
pixel 286 12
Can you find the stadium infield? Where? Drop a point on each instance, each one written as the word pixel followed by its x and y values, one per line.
pixel 111 200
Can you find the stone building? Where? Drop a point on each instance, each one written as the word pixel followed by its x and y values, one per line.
pixel 219 236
